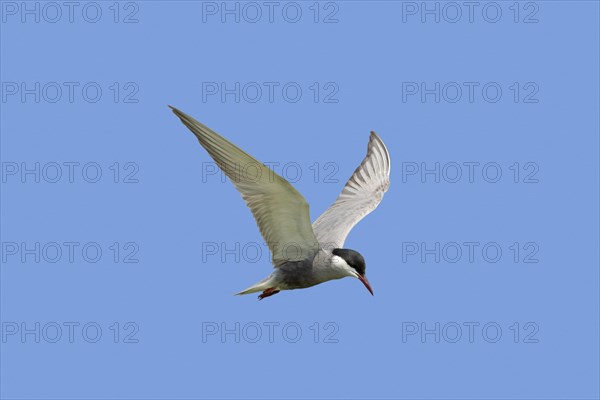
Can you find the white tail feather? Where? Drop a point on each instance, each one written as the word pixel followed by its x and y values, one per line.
pixel 258 287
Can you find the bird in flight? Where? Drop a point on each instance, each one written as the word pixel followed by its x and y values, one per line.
pixel 303 255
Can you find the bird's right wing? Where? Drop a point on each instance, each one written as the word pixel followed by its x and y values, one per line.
pixel 361 195
pixel 280 211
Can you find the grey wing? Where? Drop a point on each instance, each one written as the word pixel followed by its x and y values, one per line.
pixel 361 195
pixel 281 213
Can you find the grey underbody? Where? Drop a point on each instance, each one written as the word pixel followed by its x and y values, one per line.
pixel 306 273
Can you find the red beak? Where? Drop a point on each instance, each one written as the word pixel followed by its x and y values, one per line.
pixel 365 282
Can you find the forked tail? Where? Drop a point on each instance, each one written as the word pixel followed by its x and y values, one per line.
pixel 258 287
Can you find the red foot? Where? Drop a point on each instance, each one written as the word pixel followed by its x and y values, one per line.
pixel 267 293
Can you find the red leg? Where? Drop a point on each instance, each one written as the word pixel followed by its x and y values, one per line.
pixel 267 293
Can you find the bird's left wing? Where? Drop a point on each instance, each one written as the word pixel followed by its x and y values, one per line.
pixel 281 212
pixel 361 195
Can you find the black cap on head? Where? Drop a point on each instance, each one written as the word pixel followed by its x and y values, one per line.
pixel 353 259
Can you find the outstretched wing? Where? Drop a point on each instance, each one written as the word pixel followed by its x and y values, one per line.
pixel 361 195
pixel 280 211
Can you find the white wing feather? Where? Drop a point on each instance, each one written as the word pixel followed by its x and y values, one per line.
pixel 281 212
pixel 361 195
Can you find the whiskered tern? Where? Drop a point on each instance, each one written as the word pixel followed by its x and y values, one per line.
pixel 303 255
